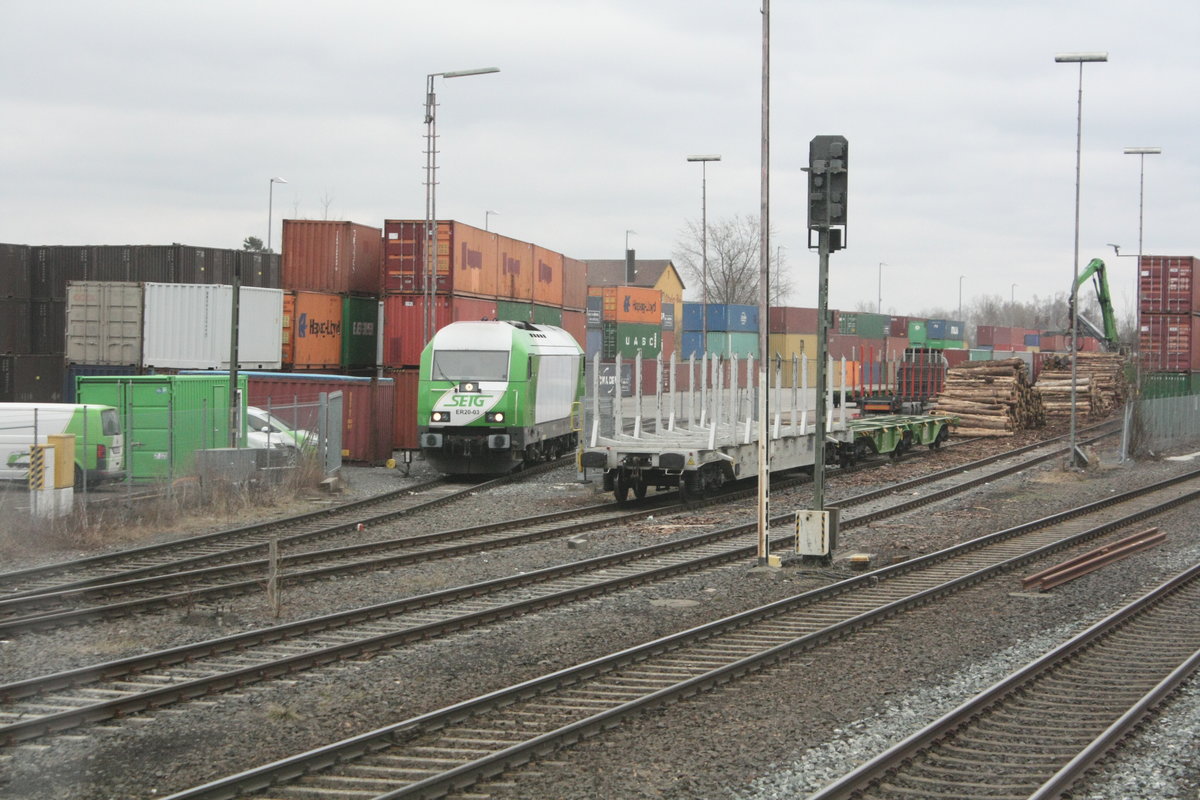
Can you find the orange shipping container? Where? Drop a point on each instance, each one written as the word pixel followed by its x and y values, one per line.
pixel 465 263
pixel 575 323
pixel 514 278
pixel 289 312
pixel 547 277
pixel 316 331
pixel 575 289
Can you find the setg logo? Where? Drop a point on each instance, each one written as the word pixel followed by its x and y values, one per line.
pixel 463 408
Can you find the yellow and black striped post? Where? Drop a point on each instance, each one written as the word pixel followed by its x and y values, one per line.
pixel 37 467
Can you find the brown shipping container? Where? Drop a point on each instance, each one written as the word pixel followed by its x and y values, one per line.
pixel 788 319
pixel 1169 285
pixel 547 277
pixel 316 330
pixel 329 256
pixel 404 322
pixel 1170 342
pixel 575 288
pixel 15 325
pixel 575 323
pixel 404 428
pixel 14 270
pixel 368 408
pixel 894 347
pixel 514 279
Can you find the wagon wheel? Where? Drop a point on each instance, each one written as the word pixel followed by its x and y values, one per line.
pixel 685 489
pixel 639 489
pixel 942 436
pixel 621 489
pixel 862 449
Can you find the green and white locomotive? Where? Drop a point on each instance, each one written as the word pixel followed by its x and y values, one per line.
pixel 495 395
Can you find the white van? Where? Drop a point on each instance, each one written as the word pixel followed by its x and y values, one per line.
pixel 99 444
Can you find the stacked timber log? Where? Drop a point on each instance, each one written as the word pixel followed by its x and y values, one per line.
pixel 1099 384
pixel 990 398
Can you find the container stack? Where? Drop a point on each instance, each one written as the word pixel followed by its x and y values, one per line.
pixel 31 331
pixel 331 272
pixel 1169 337
pixel 476 275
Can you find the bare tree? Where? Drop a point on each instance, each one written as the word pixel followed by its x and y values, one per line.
pixel 326 202
pixel 733 262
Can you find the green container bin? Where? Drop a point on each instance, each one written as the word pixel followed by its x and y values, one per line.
pixel 743 344
pixel 917 334
pixel 547 315
pixel 1170 384
pixel 511 309
pixel 360 316
pixel 165 419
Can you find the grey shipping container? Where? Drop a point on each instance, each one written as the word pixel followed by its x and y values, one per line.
pixel 31 379
pixel 14 270
pixel 47 327
pixel 104 322
pixel 14 325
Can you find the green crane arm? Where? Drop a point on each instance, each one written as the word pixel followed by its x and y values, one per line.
pixel 1096 269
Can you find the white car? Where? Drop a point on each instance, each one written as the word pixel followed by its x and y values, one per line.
pixel 268 431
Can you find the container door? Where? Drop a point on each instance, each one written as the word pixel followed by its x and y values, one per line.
pixel 148 429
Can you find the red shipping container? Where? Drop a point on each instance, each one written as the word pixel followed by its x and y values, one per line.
pixel 404 423
pixel 1054 343
pixel 326 256
pixel 956 356
pixel 547 277
pixel 1169 285
pixel 367 407
pixel 789 319
pixel 668 343
pixel 514 277
pixel 1170 343
pixel 894 347
pixel 575 288
pixel 844 345
pixel 575 323
pixel 404 322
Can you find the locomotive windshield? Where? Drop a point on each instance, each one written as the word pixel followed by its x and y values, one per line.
pixel 470 365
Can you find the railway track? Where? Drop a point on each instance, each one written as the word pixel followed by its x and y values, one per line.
pixel 453 748
pixel 37 707
pixel 134 592
pixel 1035 733
pixel 245 542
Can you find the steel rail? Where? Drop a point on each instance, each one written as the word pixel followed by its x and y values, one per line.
pixel 1100 664
pixel 509 727
pixel 555 586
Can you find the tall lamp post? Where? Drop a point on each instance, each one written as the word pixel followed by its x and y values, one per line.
pixel 1012 304
pixel 270 205
pixel 960 280
pixel 1141 153
pixel 430 287
pixel 1080 59
pixel 879 293
pixel 487 215
pixel 704 242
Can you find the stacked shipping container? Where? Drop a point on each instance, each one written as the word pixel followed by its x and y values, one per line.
pixel 1169 335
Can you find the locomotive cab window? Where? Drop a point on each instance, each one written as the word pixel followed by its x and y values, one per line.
pixel 478 365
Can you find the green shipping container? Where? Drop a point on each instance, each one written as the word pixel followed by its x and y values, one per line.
pixel 917 335
pixel 547 315
pixel 743 344
pixel 864 324
pixel 360 316
pixel 634 336
pixel 165 419
pixel 1170 384
pixel 511 309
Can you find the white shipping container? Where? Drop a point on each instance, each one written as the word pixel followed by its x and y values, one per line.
pixel 187 326
pixel 104 322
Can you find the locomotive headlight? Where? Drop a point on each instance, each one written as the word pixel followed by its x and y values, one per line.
pixel 494 416
pixel 469 386
pixel 439 416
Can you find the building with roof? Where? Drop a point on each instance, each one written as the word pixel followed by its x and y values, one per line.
pixel 655 273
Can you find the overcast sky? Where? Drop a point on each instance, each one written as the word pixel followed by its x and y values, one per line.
pixel 163 121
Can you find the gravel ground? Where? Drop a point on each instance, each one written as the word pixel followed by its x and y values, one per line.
pixel 781 734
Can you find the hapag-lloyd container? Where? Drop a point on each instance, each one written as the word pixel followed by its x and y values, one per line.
pixel 632 304
pixel 313 330
pixel 465 260
pixel 329 256
pixel 575 288
pixel 187 326
pixel 547 277
pixel 514 275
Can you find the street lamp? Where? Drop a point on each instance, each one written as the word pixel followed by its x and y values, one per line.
pixel 486 217
pixel 1080 59
pixel 704 159
pixel 1012 304
pixel 270 203
pixel 879 295
pixel 1141 153
pixel 960 280
pixel 431 184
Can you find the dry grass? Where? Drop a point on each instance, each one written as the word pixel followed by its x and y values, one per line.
pixel 116 517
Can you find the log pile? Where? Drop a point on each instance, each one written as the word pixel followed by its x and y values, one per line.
pixel 1100 384
pixel 990 398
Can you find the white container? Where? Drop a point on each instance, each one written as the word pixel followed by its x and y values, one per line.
pixel 104 322
pixel 187 326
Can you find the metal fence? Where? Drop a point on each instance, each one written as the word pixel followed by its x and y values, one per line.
pixel 1169 422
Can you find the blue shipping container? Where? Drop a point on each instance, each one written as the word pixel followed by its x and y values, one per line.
pixel 732 318
pixel 936 329
pixel 691 344
pixel 595 339
pixel 75 370
pixel 693 316
pixel 1032 339
pixel 954 330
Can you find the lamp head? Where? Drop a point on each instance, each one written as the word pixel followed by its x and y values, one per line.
pixel 1078 58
